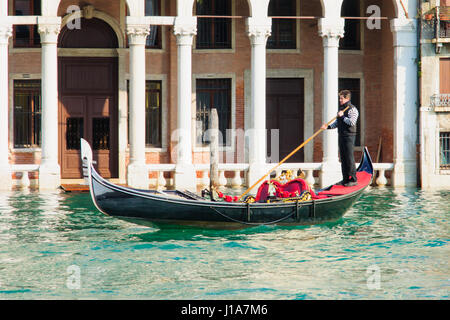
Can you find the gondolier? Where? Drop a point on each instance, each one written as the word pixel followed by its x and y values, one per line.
pixel 346 125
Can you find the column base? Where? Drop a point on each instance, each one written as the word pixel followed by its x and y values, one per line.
pixel 137 176
pixel 49 176
pixel 5 178
pixel 330 174
pixel 255 172
pixel 404 174
pixel 185 177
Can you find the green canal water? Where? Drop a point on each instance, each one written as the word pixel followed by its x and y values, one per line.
pixel 393 244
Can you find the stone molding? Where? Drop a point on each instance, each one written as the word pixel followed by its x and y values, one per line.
pixel 404 32
pixel 5 33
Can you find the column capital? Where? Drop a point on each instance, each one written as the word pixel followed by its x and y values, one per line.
pixel 259 29
pixel 137 33
pixel 48 28
pixel 185 28
pixel 331 30
pixel 49 33
pixel 5 33
pixel 404 31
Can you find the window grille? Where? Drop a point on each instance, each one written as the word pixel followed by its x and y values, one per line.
pixel 283 35
pixel 27 113
pixel 444 157
pixel 213 93
pixel 213 33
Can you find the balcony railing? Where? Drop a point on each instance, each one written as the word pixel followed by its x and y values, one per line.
pixel 237 172
pixel 439 17
pixel 231 175
pixel 440 102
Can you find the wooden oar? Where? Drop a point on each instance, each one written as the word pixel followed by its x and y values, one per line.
pixel 289 155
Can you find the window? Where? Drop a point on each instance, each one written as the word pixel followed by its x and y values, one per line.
pixel 26 36
pixel 213 33
pixel 352 27
pixel 353 84
pixel 27 113
pixel 152 113
pixel 283 30
pixel 153 8
pixel 444 150
pixel 213 93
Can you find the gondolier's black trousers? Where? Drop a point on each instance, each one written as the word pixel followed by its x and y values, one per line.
pixel 346 147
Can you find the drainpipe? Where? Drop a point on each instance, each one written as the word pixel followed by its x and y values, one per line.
pixel 419 86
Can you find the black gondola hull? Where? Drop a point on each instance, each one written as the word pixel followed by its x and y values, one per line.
pixel 155 208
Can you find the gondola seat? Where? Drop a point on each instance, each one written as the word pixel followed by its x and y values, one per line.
pixel 290 189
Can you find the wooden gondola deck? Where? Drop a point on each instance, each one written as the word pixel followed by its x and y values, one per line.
pixel 75 188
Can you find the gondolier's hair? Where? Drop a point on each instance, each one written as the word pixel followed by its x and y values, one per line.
pixel 345 93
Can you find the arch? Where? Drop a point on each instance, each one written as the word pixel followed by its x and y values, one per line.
pixel 331 9
pixel 136 8
pixel 112 23
pixel 50 7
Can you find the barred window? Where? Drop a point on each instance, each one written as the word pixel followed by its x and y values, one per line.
pixel 444 154
pixel 26 36
pixel 283 30
pixel 27 113
pixel 213 33
pixel 213 93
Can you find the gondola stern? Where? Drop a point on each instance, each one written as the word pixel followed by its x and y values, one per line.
pixel 366 163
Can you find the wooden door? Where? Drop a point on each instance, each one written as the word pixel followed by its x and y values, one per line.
pixel 88 109
pixel 285 112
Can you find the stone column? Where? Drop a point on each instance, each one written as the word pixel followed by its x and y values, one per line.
pixel 258 30
pixel 137 173
pixel 5 168
pixel 49 170
pixel 185 176
pixel 331 31
pixel 405 102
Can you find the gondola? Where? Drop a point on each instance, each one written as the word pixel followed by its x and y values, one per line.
pixel 180 207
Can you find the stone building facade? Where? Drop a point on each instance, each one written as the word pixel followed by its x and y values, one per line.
pixel 137 78
pixel 435 94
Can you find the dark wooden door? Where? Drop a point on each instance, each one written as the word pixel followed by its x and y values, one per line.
pixel 285 112
pixel 88 109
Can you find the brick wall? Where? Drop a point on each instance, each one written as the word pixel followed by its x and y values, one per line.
pixel 375 63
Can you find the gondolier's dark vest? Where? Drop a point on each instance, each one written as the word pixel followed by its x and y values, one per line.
pixel 343 128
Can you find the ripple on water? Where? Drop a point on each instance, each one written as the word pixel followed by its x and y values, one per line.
pixel 400 237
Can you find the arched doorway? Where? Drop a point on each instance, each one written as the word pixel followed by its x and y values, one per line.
pixel 88 99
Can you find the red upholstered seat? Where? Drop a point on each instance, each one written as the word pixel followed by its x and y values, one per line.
pixel 363 179
pixel 283 190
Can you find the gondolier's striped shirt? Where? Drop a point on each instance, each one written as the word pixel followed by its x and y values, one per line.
pixel 350 120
